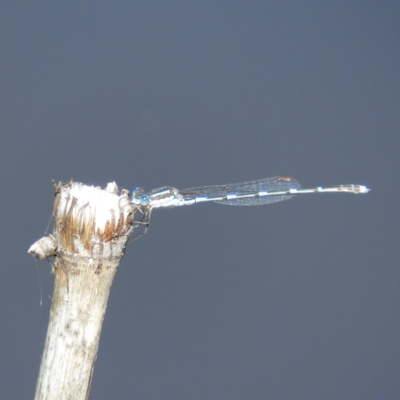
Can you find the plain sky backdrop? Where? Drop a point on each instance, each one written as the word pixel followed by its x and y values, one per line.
pixel 295 300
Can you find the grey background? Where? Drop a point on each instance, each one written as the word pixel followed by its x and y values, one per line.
pixel 296 300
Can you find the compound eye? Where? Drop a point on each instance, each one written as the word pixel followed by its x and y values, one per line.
pixel 144 200
pixel 137 191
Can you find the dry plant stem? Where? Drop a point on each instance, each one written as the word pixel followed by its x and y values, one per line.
pixel 91 230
